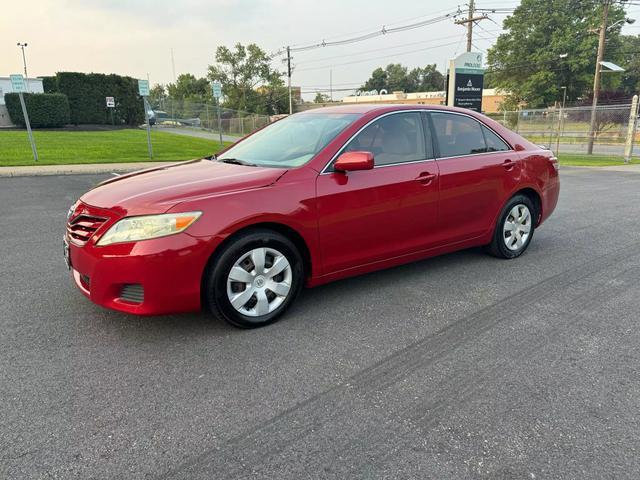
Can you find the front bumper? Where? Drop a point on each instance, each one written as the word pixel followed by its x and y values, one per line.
pixel 164 274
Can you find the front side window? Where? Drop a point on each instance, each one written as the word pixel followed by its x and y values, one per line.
pixel 290 142
pixel 458 135
pixel 396 138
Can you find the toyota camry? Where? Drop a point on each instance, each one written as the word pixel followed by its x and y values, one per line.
pixel 315 197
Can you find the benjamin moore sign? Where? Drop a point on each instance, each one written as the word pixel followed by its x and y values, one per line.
pixel 468 93
pixel 466 81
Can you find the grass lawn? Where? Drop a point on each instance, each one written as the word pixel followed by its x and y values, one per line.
pixel 130 145
pixel 583 160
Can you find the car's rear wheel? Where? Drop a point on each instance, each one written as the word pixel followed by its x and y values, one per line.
pixel 254 279
pixel 514 229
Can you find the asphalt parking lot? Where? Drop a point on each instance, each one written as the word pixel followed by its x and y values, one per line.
pixel 462 366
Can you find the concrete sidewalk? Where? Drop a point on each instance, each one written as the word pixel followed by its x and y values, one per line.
pixel 37 170
pixel 199 133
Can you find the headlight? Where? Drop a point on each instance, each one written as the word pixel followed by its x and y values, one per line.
pixel 145 227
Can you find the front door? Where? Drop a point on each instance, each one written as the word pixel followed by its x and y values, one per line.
pixel 372 215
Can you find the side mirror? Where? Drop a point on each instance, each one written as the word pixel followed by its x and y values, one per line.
pixel 351 161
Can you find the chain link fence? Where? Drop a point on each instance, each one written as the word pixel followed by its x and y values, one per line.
pixel 173 113
pixel 567 130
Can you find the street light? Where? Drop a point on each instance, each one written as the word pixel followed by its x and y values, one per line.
pixel 629 21
pixel 602 34
pixel 24 62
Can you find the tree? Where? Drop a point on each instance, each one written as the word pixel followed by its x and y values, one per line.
pixel 249 83
pixel 628 58
pixel 188 87
pixel 395 77
pixel 426 79
pixel 157 95
pixel 321 98
pixel 549 44
pixel 377 82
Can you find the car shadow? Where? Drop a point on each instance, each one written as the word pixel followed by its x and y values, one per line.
pixel 313 301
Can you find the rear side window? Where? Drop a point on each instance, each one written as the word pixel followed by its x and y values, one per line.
pixel 396 138
pixel 494 142
pixel 460 135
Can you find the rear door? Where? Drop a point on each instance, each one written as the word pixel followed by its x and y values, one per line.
pixel 391 210
pixel 477 171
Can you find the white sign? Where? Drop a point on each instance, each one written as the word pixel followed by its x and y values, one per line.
pixel 17 83
pixel 143 88
pixel 111 102
pixel 468 62
pixel 216 89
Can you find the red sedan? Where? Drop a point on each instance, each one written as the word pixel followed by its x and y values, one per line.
pixel 315 197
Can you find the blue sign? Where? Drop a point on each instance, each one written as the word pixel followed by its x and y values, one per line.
pixel 216 89
pixel 17 83
pixel 143 88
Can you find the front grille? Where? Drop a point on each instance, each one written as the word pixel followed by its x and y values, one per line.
pixel 132 293
pixel 82 227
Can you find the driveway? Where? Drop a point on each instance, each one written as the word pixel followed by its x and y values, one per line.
pixel 462 366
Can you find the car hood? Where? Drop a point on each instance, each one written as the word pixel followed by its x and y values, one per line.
pixel 156 190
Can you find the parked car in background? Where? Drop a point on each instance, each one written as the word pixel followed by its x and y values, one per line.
pixel 315 197
pixel 152 117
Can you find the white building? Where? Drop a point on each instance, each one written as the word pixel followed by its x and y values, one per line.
pixel 34 85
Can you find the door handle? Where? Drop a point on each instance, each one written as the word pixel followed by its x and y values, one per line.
pixel 426 178
pixel 509 164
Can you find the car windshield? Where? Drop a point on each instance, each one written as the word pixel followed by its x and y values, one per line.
pixel 290 142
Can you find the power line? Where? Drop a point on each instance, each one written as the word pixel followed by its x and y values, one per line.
pixel 367 36
pixel 391 48
pixel 377 57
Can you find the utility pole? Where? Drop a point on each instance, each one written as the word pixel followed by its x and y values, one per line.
pixel 470 25
pixel 289 76
pixel 331 84
pixel 469 21
pixel 24 62
pixel 596 79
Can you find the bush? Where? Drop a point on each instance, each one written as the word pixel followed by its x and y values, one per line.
pixel 44 109
pixel 87 91
pixel 50 84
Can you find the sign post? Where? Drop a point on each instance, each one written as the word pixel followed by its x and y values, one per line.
pixel 465 81
pixel 17 85
pixel 216 91
pixel 143 90
pixel 631 130
pixel 111 105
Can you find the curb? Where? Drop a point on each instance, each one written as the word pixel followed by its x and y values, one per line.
pixel 635 168
pixel 35 171
pixel 87 169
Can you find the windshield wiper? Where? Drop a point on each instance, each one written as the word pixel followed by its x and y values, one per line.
pixel 237 161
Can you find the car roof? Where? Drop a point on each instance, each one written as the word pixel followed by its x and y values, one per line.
pixel 372 108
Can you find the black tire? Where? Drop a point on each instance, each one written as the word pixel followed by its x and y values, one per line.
pixel 216 276
pixel 498 246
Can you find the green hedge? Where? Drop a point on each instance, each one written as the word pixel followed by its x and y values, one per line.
pixel 87 92
pixel 44 109
pixel 49 84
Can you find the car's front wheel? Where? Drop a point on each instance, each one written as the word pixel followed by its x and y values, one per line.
pixel 254 279
pixel 514 229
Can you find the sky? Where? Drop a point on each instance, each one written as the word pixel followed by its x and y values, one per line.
pixel 136 37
